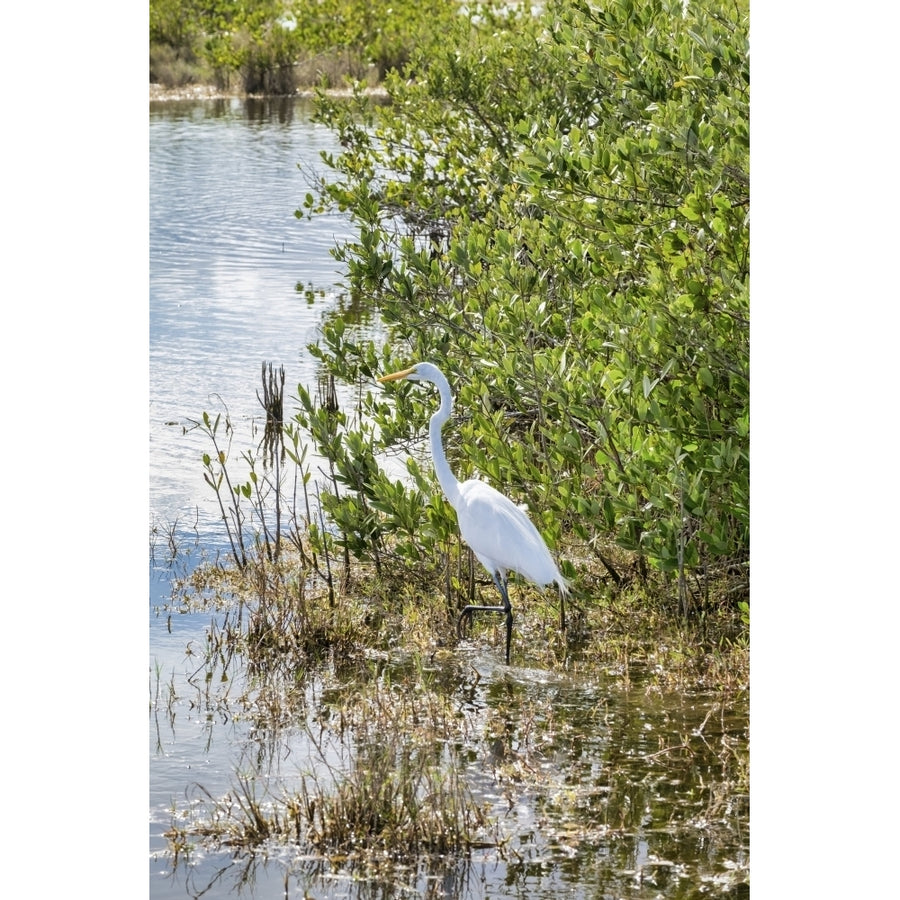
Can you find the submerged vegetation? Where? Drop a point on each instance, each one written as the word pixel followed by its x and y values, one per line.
pixel 554 208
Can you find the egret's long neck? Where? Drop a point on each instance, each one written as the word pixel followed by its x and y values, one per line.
pixel 448 482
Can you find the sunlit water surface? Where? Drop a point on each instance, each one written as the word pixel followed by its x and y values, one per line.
pixel 226 257
pixel 615 794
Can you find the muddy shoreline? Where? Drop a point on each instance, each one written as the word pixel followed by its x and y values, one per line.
pixel 161 94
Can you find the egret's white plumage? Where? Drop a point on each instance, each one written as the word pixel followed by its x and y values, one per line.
pixel 500 533
pixel 502 536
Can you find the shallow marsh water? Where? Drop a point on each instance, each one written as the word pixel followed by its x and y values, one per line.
pixel 595 783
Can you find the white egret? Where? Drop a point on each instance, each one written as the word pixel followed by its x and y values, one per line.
pixel 500 533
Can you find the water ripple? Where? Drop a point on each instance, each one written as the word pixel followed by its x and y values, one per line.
pixel 226 257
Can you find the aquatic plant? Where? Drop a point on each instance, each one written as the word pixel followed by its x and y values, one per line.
pixel 385 779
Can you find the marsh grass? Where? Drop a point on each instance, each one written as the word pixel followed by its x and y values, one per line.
pixel 277 617
pixel 283 616
pixel 397 798
pixel 396 722
pixel 631 631
pixel 383 780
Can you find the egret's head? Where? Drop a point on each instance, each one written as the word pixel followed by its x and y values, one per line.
pixel 422 371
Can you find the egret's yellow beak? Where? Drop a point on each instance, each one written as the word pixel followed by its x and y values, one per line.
pixel 396 376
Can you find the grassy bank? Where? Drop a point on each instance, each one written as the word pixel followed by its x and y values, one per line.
pixel 294 619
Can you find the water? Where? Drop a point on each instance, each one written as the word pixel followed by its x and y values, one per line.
pixel 226 257
pixel 600 785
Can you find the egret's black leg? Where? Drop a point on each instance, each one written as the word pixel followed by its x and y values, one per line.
pixel 506 609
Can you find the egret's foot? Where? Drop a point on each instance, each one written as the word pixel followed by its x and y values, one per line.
pixel 467 612
pixel 470 611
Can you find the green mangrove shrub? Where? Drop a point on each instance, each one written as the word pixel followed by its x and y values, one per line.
pixel 556 212
pixel 270 44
